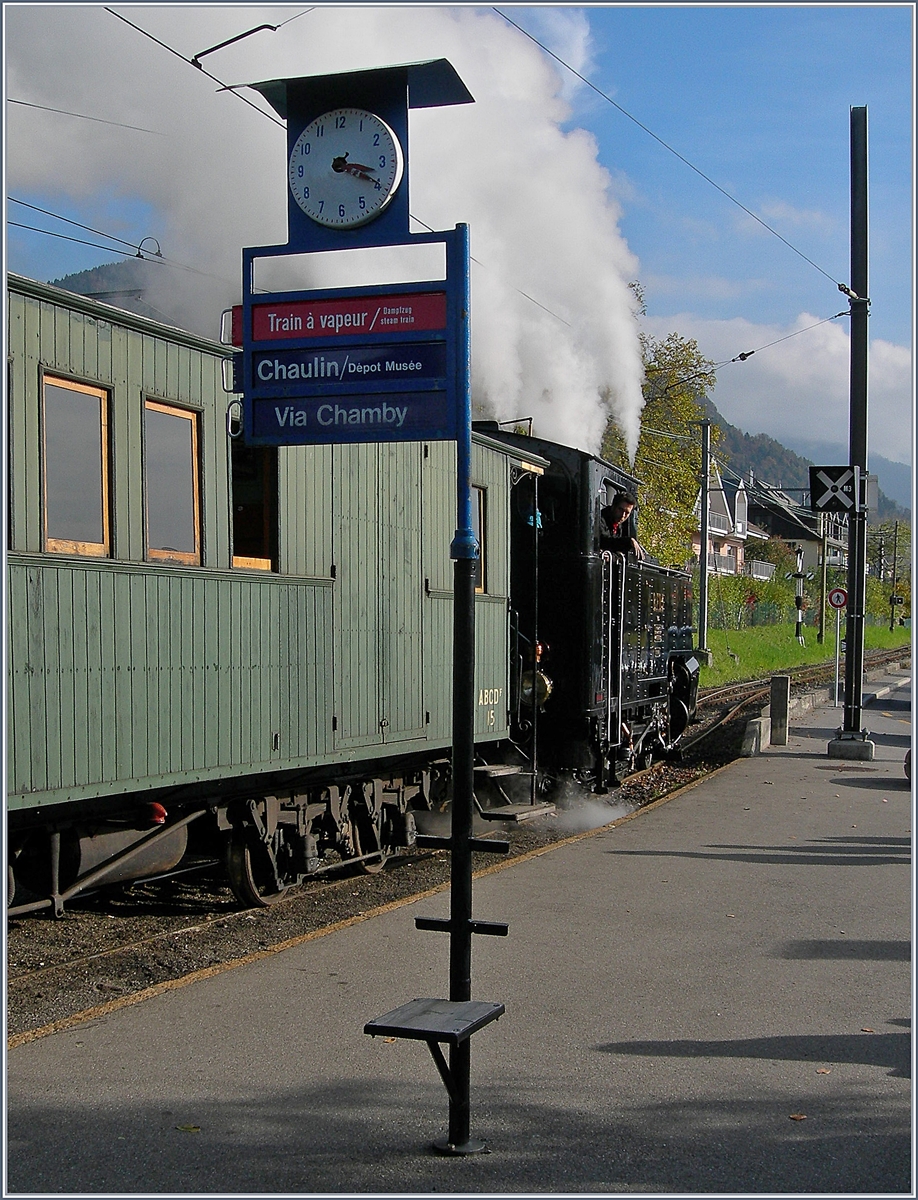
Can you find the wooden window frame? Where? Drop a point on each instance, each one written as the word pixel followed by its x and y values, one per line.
pixel 56 545
pixel 188 558
pixel 258 562
pixel 479 502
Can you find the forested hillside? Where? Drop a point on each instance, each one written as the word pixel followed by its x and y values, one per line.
pixel 775 464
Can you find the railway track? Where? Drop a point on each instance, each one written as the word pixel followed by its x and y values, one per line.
pixel 812 675
pixel 113 945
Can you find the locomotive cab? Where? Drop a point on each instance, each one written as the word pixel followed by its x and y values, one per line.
pixel 605 641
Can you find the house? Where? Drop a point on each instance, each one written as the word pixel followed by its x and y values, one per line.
pixel 742 515
pixel 779 515
pixel 732 536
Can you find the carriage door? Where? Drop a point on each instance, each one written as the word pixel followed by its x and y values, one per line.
pixel 401 592
pixel 355 502
pixel 377 595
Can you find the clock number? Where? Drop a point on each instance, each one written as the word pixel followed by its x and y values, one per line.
pixel 375 139
pixel 382 160
pixel 361 202
pixel 321 205
pixel 340 210
pixel 306 148
pixel 299 171
pixel 320 131
pixel 305 193
pixel 340 122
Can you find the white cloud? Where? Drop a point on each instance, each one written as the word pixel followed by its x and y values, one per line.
pixel 799 388
pixel 800 218
pixel 542 212
pixel 703 287
pixel 785 218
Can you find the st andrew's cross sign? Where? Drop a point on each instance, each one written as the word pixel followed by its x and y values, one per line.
pixel 835 489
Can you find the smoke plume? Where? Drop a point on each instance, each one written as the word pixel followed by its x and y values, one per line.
pixel 554 328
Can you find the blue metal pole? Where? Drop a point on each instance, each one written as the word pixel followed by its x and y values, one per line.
pixel 464 551
pixel 464 545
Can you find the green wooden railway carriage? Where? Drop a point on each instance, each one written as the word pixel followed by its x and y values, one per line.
pixel 212 643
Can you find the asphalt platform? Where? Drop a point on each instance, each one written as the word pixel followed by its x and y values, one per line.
pixel 712 996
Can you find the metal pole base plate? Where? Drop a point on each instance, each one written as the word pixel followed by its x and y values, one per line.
pixel 472 1146
pixel 855 746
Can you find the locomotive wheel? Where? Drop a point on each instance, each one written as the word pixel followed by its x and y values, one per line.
pixel 250 875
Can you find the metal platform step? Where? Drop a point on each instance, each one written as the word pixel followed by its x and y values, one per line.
pixel 493 770
pixel 516 812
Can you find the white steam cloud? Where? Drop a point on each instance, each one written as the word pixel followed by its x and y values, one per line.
pixel 541 208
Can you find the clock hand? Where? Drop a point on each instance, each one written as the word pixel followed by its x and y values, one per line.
pixel 341 165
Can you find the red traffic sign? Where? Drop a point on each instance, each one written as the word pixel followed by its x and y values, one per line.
pixel 838 597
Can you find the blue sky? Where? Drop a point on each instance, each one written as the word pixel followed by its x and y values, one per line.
pixel 757 97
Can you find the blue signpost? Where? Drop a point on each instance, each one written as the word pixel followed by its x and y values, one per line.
pixel 373 364
pixel 382 363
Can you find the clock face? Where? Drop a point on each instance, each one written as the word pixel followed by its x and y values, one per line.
pixel 345 168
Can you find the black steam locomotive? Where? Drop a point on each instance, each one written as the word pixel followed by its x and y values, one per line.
pixel 603 641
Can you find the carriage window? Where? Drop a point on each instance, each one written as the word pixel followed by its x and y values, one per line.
pixel 254 498
pixel 75 468
pixel 171 479
pixel 479 526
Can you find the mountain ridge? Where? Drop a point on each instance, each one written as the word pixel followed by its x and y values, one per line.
pixel 773 462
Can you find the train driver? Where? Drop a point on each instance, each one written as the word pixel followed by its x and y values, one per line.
pixel 613 526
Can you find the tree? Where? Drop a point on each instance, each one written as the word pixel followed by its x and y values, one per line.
pixel 668 458
pixel 777 551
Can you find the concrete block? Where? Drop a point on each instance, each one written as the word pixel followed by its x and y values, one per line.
pixel 756 737
pixel 857 749
pixel 780 706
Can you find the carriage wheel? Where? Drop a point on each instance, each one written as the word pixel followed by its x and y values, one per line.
pixel 367 831
pixel 250 874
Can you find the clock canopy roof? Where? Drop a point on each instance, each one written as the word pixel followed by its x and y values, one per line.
pixel 431 84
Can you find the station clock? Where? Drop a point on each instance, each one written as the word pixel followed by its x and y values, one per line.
pixel 345 167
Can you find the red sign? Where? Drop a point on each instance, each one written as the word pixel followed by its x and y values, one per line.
pixel 838 597
pixel 355 316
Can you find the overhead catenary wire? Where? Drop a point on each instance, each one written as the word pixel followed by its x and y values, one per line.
pixel 743 357
pixel 195 63
pixel 766 496
pixel 197 66
pixel 605 96
pixel 68 238
pixel 484 267
pixel 57 216
pixel 64 112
